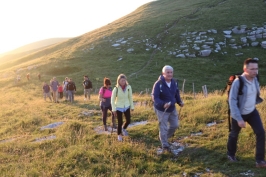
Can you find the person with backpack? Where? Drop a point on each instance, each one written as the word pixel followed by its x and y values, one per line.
pixel 165 94
pixel 243 109
pixel 105 94
pixel 71 89
pixel 54 88
pixel 122 103
pixel 87 88
pixel 46 91
pixel 65 82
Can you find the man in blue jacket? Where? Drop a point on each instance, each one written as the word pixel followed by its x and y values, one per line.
pixel 165 94
pixel 243 109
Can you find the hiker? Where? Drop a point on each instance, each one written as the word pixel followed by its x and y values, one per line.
pixel 71 89
pixel 60 91
pixel 65 82
pixel 87 88
pixel 165 94
pixel 54 84
pixel 105 94
pixel 39 76
pixel 122 102
pixel 46 91
pixel 243 109
pixel 28 76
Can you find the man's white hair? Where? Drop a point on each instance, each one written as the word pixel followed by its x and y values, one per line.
pixel 167 67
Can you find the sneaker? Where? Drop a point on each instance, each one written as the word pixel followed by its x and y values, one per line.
pixel 261 164
pixel 120 138
pixel 105 128
pixel 166 150
pixel 232 158
pixel 125 133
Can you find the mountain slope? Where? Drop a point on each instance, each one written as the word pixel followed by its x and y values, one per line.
pixel 147 36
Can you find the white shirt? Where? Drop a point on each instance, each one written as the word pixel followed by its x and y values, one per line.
pixel 250 103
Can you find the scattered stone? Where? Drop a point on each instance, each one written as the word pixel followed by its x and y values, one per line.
pixel 53 125
pixel 130 50
pixel 205 53
pixel 211 124
pixel 45 138
pixel 116 45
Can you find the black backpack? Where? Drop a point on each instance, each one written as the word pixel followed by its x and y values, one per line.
pixel 88 84
pixel 71 86
pixel 228 88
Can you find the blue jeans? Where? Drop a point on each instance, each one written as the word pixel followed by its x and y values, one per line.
pixel 254 120
pixel 71 95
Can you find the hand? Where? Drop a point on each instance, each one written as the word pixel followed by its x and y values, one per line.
pixel 167 105
pixel 103 100
pixel 241 124
pixel 181 104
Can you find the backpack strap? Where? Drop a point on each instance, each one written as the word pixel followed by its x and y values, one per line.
pixel 241 85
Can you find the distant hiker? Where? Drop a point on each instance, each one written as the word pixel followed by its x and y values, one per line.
pixel 165 93
pixel 18 78
pixel 71 89
pixel 105 94
pixel 54 88
pixel 46 91
pixel 28 76
pixel 65 82
pixel 60 91
pixel 39 76
pixel 243 109
pixel 87 88
pixel 122 102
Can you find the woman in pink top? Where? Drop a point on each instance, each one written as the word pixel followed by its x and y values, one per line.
pixel 105 94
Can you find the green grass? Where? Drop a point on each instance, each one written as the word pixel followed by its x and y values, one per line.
pixel 77 149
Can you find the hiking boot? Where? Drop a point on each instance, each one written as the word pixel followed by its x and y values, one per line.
pixel 114 126
pixel 119 138
pixel 105 128
pixel 125 133
pixel 261 164
pixel 232 158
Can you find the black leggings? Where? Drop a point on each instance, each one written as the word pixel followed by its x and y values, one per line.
pixel 104 113
pixel 120 120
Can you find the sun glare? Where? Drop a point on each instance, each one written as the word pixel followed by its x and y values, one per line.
pixel 27 21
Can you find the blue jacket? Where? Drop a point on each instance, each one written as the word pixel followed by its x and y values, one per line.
pixel 163 94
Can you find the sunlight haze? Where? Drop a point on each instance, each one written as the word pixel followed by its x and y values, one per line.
pixel 27 21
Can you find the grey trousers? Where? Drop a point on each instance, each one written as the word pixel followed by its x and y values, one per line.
pixel 168 123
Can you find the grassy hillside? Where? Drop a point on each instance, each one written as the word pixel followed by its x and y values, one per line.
pixel 75 149
pixel 160 24
pixel 152 33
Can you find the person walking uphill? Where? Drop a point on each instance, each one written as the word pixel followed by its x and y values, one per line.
pixel 165 93
pixel 87 88
pixel 71 89
pixel 105 94
pixel 243 109
pixel 122 102
pixel 54 84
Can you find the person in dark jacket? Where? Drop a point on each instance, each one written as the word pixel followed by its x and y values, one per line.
pixel 46 91
pixel 71 89
pixel 166 94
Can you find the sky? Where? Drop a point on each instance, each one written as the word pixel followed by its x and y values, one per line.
pixel 26 21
